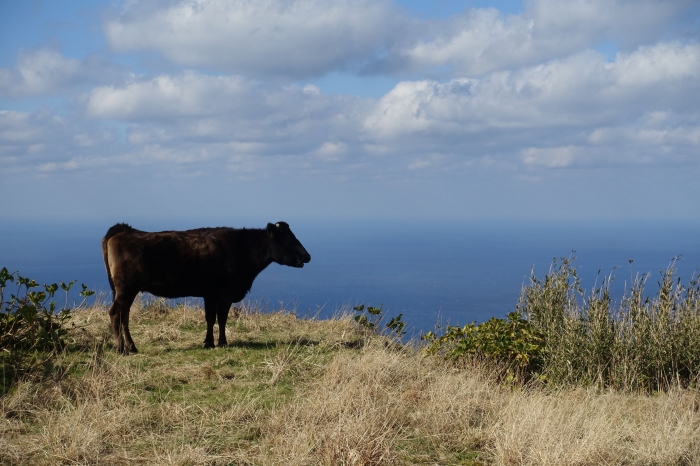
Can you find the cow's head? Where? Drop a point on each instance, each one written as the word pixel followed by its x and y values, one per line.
pixel 286 248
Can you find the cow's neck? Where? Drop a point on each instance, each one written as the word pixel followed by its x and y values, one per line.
pixel 256 257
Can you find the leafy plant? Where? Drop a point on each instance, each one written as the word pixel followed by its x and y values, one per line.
pixel 396 325
pixel 370 318
pixel 32 331
pixel 513 342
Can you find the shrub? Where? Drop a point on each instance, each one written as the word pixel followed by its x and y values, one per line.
pixel 32 331
pixel 512 343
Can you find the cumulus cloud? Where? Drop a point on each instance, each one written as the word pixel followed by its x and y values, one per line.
pixel 555 157
pixel 480 41
pixel 39 72
pixel 296 38
pixel 46 72
pixel 573 112
pixel 190 94
pixel 46 141
pixel 580 91
pixel 257 117
pixel 527 90
pixel 331 151
pixel 304 38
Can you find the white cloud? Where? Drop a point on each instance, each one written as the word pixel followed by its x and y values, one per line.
pixel 44 141
pixel 258 37
pixel 192 108
pixel 655 135
pixel 517 108
pixel 14 128
pixel 190 94
pixel 481 41
pixel 39 72
pixel 577 92
pixel 303 38
pixel 254 100
pixel 476 42
pixel 331 151
pixel 429 161
pixel 46 72
pixel 557 157
pixel 582 23
pixel 661 63
pixel 576 111
pixel 419 164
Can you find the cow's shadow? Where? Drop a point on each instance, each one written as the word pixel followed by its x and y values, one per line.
pixel 267 345
pixel 248 344
pixel 352 344
pixel 272 343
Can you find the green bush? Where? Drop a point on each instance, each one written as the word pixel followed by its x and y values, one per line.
pixel 32 331
pixel 512 343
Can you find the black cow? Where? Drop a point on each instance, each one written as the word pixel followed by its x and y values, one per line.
pixel 217 264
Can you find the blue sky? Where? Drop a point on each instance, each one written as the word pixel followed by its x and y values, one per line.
pixel 279 109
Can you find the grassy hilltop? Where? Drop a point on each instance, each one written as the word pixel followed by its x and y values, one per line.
pixel 297 391
pixel 306 391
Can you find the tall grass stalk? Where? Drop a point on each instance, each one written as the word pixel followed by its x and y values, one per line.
pixel 639 343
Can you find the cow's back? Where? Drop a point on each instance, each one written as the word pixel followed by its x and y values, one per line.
pixel 170 263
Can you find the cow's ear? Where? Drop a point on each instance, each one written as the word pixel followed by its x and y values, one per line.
pixel 271 229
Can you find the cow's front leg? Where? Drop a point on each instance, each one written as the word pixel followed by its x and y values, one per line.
pixel 210 316
pixel 222 316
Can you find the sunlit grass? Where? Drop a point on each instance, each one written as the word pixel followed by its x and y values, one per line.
pixel 305 391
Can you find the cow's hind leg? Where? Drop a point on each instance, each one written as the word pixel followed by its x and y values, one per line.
pixel 222 316
pixel 210 316
pixel 119 318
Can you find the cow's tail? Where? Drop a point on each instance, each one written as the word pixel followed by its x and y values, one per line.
pixel 118 228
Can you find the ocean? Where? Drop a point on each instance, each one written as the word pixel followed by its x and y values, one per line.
pixel 431 272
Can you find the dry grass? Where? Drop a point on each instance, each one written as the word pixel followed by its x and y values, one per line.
pixel 305 392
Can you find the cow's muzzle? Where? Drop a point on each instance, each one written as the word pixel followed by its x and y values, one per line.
pixel 303 259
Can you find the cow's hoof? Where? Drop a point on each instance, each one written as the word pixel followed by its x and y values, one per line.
pixel 208 345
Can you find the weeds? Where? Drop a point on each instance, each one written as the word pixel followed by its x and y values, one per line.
pixel 371 318
pixel 564 336
pixel 640 343
pixel 32 330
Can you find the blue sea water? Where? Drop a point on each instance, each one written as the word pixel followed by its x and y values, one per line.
pixel 454 273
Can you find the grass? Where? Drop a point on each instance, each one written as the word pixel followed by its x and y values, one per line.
pixel 304 392
pixel 640 343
